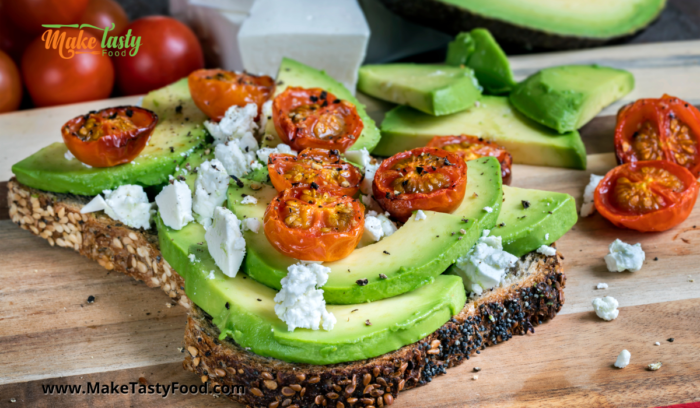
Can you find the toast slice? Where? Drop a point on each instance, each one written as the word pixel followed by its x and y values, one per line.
pixel 533 295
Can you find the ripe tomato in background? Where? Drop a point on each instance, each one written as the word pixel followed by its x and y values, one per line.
pixel 52 80
pixel 29 15
pixel 10 84
pixel 12 40
pixel 102 13
pixel 169 51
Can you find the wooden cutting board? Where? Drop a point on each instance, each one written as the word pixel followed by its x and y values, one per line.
pixel 50 335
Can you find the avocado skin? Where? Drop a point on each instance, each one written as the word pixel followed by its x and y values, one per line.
pixel 452 19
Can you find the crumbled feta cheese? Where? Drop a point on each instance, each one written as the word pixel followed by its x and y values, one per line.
pixel 236 123
pixel 388 226
pixel 624 256
pixel 251 224
pixel 127 204
pixel 657 344
pixel 606 308
pixel 192 258
pixel 265 152
pixel 373 228
pixel 68 155
pixel 234 159
pixel 420 215
pixel 360 157
pixel 654 366
pixel 210 190
pixel 175 205
pixel 546 237
pixel 256 166
pixel 225 241
pixel 546 250
pixel 488 209
pixel 300 302
pixel 212 274
pixel 265 115
pixel 249 199
pixel 588 207
pixel 623 359
pixel 485 265
pixel 370 203
pixel 602 285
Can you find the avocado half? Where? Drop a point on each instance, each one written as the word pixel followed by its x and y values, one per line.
pixel 545 24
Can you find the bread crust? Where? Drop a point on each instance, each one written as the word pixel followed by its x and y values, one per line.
pixel 494 317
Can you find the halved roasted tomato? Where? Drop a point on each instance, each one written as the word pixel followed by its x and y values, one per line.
pixel 659 129
pixel 420 179
pixel 110 136
pixel 645 196
pixel 314 225
pixel 314 168
pixel 215 90
pixel 472 147
pixel 314 118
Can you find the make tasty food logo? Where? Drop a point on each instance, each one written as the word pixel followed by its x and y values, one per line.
pixel 70 46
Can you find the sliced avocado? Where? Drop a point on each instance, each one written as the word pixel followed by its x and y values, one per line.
pixel 434 89
pixel 442 238
pixel 532 218
pixel 178 133
pixel 494 119
pixel 565 98
pixel 479 51
pixel 243 309
pixel 293 73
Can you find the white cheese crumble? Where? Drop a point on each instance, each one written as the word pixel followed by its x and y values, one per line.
pixel 212 275
pixel 624 257
pixel 235 159
pixel 175 205
pixel 420 215
pixel 623 359
pixel 127 204
pixel 300 302
pixel 377 226
pixel 249 199
pixel 546 250
pixel 68 155
pixel 363 158
pixel 225 241
pixel 192 258
pixel 485 265
pixel 602 285
pixel 588 207
pixel 488 209
pixel 264 153
pixel 236 123
pixel 546 237
pixel 251 224
pixel 210 190
pixel 606 307
pixel 370 203
pixel 265 115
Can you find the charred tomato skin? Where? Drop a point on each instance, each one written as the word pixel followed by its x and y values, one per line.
pixel 473 147
pixel 110 136
pixel 666 128
pixel 215 90
pixel 445 180
pixel 325 227
pixel 313 118
pixel 654 195
pixel 323 167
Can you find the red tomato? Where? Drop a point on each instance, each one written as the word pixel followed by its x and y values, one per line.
pixel 109 137
pixel 12 40
pixel 53 80
pixel 472 147
pixel 309 118
pixel 10 84
pixel 659 129
pixel 215 90
pixel 314 167
pixel 420 179
pixel 169 51
pixel 313 225
pixel 104 13
pixel 29 15
pixel 653 195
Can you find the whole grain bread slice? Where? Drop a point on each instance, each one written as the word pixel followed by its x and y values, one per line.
pixel 534 294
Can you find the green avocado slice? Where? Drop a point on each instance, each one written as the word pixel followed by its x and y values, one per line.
pixel 494 119
pixel 293 73
pixel 532 218
pixel 434 89
pixel 178 133
pixel 442 238
pixel 243 309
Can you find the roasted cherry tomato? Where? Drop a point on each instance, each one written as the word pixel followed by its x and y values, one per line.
pixel 472 147
pixel 659 129
pixel 307 118
pixel 420 179
pixel 314 225
pixel 109 137
pixel 215 90
pixel 645 196
pixel 315 168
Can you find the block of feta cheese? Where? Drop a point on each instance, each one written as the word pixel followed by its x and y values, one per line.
pixel 485 265
pixel 210 190
pixel 623 359
pixel 327 35
pixel 300 302
pixel 127 204
pixel 606 308
pixel 624 257
pixel 264 153
pixel 377 226
pixel 225 241
pixel 175 205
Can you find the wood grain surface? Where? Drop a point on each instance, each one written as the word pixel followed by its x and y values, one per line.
pixel 50 335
